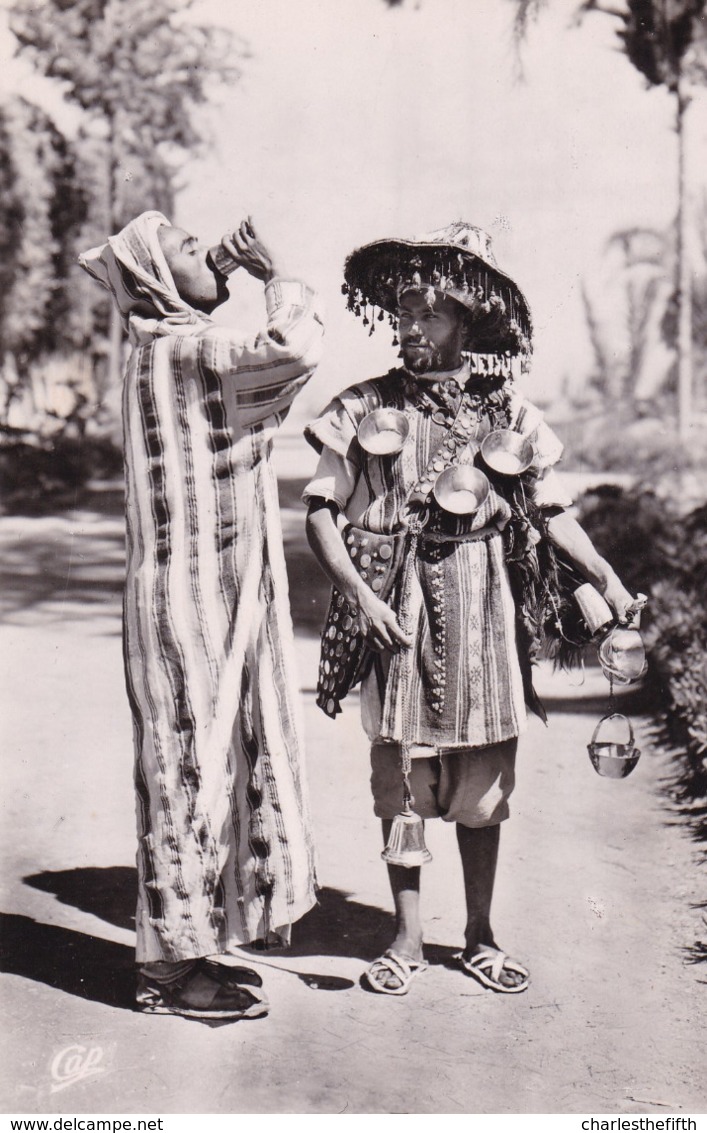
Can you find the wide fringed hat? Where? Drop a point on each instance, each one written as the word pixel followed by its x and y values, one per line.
pixel 456 261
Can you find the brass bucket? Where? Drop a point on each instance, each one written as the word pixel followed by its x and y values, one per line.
pixel 383 432
pixel 612 758
pixel 506 452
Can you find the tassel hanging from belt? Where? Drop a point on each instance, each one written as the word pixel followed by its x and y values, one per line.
pixel 406 842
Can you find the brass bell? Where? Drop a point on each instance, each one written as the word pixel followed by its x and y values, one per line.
pixel 406 844
pixel 611 756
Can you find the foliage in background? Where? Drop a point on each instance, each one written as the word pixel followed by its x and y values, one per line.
pixel 41 208
pixel 666 41
pixel 623 417
pixel 44 206
pixel 139 72
pixel 635 288
pixel 663 39
pixel 636 531
pixel 678 654
pixel 42 479
pixel 662 554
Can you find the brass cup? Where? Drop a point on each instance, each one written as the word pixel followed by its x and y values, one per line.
pixel 222 260
pixel 383 432
pixel 507 452
pixel 461 490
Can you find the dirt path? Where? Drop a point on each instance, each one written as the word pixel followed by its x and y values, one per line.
pixel 596 893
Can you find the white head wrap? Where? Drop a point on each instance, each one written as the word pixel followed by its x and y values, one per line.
pixel 145 293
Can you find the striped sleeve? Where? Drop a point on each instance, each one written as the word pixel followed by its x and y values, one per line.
pixel 548 489
pixel 336 426
pixel 334 479
pixel 270 370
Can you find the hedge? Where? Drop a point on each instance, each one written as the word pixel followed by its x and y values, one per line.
pixel 36 479
pixel 663 554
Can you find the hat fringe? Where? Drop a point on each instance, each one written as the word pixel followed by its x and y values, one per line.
pixel 498 317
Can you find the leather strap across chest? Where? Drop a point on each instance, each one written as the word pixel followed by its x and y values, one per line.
pixel 464 428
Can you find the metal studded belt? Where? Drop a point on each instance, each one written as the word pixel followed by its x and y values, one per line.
pixel 482 535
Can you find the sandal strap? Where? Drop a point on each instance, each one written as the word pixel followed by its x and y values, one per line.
pixel 490 958
pixel 402 967
pixel 228 977
pixel 496 961
pixel 237 997
pixel 396 965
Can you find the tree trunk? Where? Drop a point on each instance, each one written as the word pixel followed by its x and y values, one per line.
pixel 684 278
pixel 114 381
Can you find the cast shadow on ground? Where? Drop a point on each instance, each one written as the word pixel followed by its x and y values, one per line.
pixel 108 893
pixel 76 565
pixel 336 926
pixel 75 573
pixel 696 953
pixel 74 962
pixel 633 701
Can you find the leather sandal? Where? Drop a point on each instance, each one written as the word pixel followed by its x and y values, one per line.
pixel 208 991
pixel 402 968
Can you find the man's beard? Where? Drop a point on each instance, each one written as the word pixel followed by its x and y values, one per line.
pixel 429 360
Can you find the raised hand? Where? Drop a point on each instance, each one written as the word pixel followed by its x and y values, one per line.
pixel 249 251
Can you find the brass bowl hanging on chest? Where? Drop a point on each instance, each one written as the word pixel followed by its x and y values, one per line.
pixel 461 490
pixel 612 751
pixel 383 432
pixel 507 452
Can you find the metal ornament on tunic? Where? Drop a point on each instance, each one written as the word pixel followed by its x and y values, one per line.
pixel 461 490
pixel 507 452
pixel 383 432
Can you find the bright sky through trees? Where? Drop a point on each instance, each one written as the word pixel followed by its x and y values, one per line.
pixel 354 121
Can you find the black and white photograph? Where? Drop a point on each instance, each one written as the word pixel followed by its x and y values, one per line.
pixel 353 561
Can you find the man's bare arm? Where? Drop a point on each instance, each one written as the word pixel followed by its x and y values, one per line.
pixel 567 534
pixel 379 624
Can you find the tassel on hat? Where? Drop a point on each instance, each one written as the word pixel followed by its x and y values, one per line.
pixel 456 260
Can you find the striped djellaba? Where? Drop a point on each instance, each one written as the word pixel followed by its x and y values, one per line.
pixel 225 847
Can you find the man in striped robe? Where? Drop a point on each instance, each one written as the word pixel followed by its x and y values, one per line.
pixel 447 685
pixel 225 853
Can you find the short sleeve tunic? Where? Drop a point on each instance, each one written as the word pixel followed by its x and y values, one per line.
pixel 465 686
